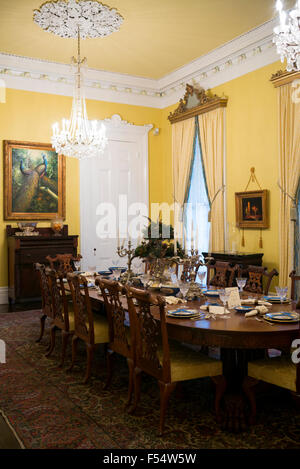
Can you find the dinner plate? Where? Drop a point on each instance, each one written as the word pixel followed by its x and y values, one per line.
pixel 282 316
pixel 243 309
pixel 275 299
pixel 182 313
pixel 213 293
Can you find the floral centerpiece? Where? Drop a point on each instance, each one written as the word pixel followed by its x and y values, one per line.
pixel 157 250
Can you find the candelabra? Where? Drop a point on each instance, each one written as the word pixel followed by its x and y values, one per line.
pixel 130 253
pixel 191 264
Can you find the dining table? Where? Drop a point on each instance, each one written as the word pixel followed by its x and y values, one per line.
pixel 234 337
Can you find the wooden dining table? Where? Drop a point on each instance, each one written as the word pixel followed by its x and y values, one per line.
pixel 239 339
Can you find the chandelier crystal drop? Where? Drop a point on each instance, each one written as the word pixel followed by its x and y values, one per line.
pixel 78 137
pixel 287 36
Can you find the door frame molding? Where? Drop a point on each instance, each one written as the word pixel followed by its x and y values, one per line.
pixel 119 130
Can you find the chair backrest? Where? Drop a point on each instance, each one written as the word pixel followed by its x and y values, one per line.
pixel 294 278
pixel 258 278
pixel 223 274
pixel 63 263
pixel 45 290
pixel 150 332
pixel 117 318
pixel 83 315
pixel 59 299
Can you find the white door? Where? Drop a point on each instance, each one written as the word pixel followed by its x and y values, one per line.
pixel 121 171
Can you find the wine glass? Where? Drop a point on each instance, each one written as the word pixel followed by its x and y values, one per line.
pixel 224 296
pixel 184 288
pixel 201 277
pixel 241 282
pixel 282 292
pixel 77 265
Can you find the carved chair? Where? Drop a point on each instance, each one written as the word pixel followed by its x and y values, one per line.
pixel 168 362
pixel 220 274
pixel 63 314
pixel 255 278
pixel 92 330
pixel 279 371
pixel 63 263
pixel 294 278
pixel 121 338
pixel 46 297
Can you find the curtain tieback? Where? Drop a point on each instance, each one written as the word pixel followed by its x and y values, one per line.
pixel 293 213
pixel 222 188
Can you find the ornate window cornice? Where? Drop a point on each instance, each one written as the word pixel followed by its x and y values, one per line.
pixel 195 102
pixel 282 77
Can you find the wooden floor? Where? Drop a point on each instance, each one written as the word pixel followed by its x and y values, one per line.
pixel 7 437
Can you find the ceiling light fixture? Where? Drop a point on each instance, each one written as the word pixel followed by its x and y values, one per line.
pixel 287 36
pixel 78 138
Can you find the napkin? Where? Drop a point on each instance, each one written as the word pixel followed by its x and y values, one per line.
pixel 204 307
pixel 217 310
pixel 172 300
pixel 261 309
pixel 254 312
pixel 254 301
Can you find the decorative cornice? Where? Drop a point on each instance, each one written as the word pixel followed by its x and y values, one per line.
pixel 242 55
pixel 282 77
pixel 205 102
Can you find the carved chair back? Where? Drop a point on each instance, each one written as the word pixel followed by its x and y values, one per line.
pixel 83 315
pixel 59 299
pixel 119 340
pixel 150 333
pixel 220 274
pixel 45 290
pixel 258 278
pixel 294 278
pixel 63 263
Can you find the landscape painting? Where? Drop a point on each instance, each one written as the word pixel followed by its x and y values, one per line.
pixel 34 181
pixel 252 209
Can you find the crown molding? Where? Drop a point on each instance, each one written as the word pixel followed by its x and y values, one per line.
pixel 282 77
pixel 242 55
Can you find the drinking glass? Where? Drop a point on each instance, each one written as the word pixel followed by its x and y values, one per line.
pixel 77 265
pixel 241 282
pixel 184 287
pixel 201 277
pixel 224 296
pixel 116 273
pixel 282 292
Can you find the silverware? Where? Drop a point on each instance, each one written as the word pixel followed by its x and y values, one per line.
pixel 263 320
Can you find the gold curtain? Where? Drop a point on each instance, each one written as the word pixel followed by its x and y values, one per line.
pixel 289 173
pixel 183 133
pixel 211 128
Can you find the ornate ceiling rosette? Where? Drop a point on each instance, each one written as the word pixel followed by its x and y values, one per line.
pixel 92 17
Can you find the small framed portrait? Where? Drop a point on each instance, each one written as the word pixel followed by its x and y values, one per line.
pixel 34 181
pixel 252 209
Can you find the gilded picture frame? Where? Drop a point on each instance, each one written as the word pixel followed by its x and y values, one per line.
pixel 252 209
pixel 34 181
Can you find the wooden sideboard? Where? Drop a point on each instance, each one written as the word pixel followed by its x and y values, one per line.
pixel 242 258
pixel 24 251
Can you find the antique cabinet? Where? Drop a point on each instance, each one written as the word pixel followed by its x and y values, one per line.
pixel 24 251
pixel 242 258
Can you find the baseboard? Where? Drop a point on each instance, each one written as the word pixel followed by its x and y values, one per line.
pixel 3 295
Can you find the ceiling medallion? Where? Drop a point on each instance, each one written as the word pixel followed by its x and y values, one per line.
pixel 287 36
pixel 78 138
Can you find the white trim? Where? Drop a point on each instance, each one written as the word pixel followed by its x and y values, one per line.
pixel 242 55
pixel 3 295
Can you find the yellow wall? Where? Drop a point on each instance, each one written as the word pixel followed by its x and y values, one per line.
pixel 28 116
pixel 252 140
pixel 251 136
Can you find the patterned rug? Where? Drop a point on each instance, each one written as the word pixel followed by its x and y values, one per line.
pixel 50 408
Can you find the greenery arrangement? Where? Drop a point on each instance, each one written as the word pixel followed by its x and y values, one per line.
pixel 158 242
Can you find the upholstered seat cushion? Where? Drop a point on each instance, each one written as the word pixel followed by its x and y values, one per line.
pixel 101 330
pixel 280 371
pixel 187 364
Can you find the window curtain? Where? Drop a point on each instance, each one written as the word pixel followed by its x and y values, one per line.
pixel 289 173
pixel 183 133
pixel 211 130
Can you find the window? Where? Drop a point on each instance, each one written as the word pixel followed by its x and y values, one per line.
pixel 198 207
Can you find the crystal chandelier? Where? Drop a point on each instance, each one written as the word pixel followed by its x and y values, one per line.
pixel 287 36
pixel 78 137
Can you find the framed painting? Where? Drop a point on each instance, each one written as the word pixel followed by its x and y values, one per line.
pixel 252 209
pixel 34 181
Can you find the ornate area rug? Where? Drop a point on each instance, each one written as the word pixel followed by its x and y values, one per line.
pixel 50 408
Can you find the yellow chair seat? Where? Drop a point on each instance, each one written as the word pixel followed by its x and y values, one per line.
pixel 187 364
pixel 280 371
pixel 101 330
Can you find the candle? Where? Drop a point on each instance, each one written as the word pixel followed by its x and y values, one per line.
pixel 192 235
pixel 185 245
pixel 197 237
